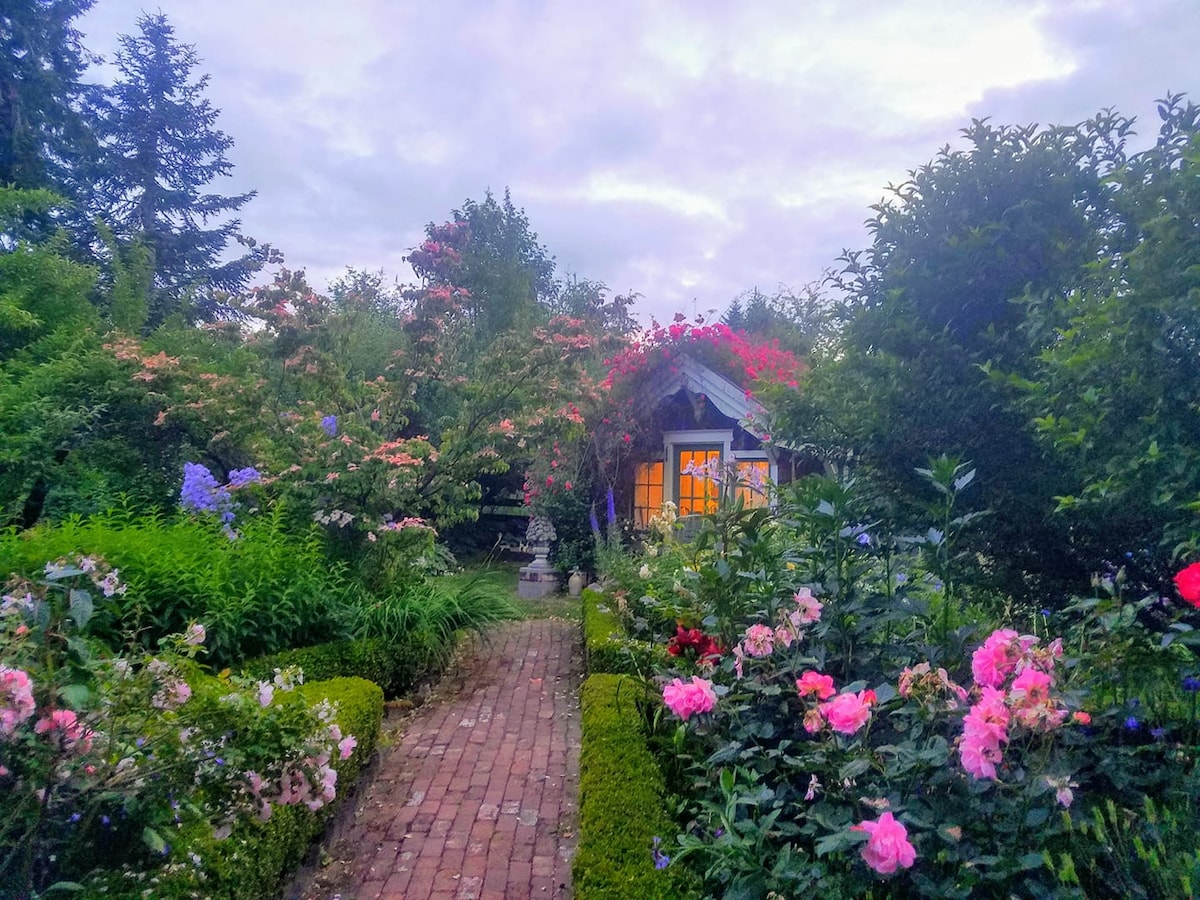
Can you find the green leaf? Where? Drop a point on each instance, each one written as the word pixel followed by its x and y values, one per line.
pixel 153 840
pixel 75 695
pixel 81 606
pixel 1036 817
pixel 64 886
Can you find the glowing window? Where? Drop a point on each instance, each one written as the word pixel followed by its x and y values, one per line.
pixel 752 475
pixel 647 492
pixel 697 493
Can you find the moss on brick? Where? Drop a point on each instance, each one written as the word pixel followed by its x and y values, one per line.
pixel 621 801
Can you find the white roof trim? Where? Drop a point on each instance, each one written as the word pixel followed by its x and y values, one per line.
pixel 697 378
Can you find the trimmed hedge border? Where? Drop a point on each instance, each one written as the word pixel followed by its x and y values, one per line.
pixel 396 667
pixel 606 649
pixel 253 861
pixel 621 801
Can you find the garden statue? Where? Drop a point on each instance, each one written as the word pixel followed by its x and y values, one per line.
pixel 539 578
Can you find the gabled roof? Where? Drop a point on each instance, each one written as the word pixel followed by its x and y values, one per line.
pixel 697 378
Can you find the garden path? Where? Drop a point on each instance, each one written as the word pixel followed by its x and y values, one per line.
pixel 476 798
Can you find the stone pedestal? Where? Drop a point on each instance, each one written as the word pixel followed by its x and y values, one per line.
pixel 539 578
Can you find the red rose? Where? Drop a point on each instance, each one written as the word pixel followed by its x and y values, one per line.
pixel 1188 583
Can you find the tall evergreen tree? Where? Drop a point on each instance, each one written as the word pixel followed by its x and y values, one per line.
pixel 41 61
pixel 161 148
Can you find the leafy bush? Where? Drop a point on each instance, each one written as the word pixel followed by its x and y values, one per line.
pixel 396 666
pixel 622 803
pixel 256 856
pixel 857 724
pixel 265 591
pixel 107 760
pixel 606 646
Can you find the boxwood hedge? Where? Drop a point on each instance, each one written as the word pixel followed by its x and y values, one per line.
pixel 621 801
pixel 251 862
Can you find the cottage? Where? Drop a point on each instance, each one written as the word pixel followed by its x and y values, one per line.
pixel 698 419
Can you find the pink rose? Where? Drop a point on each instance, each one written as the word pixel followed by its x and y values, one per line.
pixel 1187 581
pixel 685 699
pixel 846 713
pixel 809 606
pixel 346 746
pixel 993 662
pixel 888 847
pixel 759 640
pixel 16 699
pixel 815 683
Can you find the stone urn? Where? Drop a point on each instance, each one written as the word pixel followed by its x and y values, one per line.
pixel 539 578
pixel 575 583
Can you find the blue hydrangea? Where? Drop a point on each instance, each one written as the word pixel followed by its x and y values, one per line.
pixel 1191 684
pixel 200 492
pixel 329 425
pixel 242 477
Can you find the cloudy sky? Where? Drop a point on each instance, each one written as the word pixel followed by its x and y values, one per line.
pixel 687 150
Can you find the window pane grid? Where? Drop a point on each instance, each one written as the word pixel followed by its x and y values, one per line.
pixel 647 492
pixel 697 494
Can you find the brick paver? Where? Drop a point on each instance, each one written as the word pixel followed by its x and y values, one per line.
pixel 477 799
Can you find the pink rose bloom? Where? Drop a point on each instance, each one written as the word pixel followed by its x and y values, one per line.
pixel 16 699
pixel 195 635
pixel 846 713
pixel 784 636
pixel 813 720
pixel 809 606
pixel 985 728
pixel 685 699
pixel 996 659
pixel 888 847
pixel 759 640
pixel 65 725
pixel 1031 687
pixel 346 746
pixel 815 683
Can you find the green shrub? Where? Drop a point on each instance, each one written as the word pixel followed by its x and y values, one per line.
pixel 606 648
pixel 621 801
pixel 266 591
pixel 437 608
pixel 396 666
pixel 250 863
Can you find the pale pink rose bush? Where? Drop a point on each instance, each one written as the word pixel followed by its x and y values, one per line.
pixel 138 742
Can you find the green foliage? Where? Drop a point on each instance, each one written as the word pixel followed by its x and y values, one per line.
pixel 396 666
pixel 160 152
pixel 41 61
pixel 622 801
pixel 434 610
pixel 41 290
pixel 1114 390
pixel 268 590
pixel 256 856
pixel 971 261
pixel 606 646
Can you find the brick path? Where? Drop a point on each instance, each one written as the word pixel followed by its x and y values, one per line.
pixel 477 799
